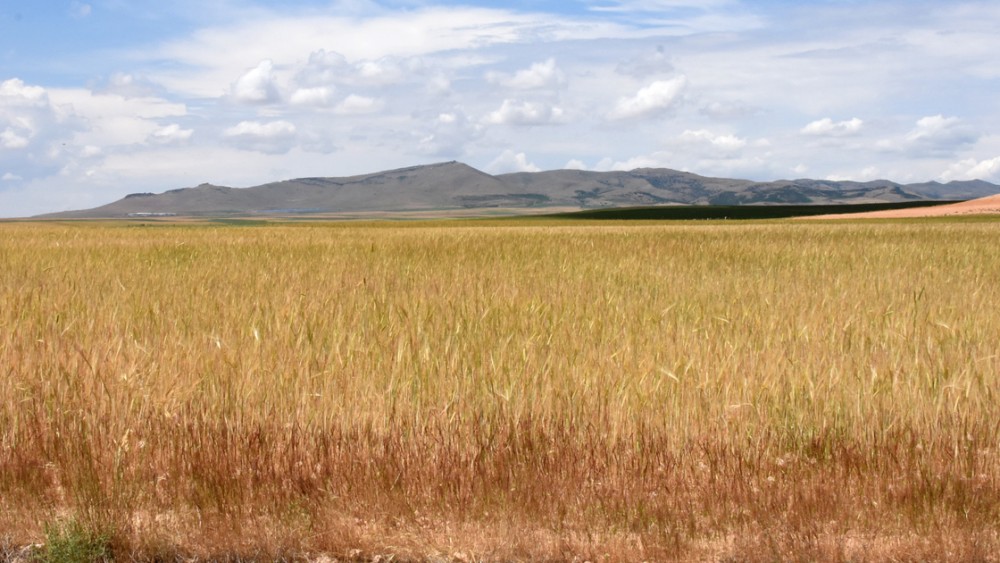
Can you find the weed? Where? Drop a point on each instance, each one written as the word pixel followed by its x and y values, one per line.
pixel 73 542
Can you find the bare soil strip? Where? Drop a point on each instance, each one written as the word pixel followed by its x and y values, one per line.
pixel 982 206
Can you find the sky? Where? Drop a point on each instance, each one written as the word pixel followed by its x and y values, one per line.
pixel 102 98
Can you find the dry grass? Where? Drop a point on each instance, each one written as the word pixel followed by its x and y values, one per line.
pixel 522 392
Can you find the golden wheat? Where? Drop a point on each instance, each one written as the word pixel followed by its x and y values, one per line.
pixel 509 390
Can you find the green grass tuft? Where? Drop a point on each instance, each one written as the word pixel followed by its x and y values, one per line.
pixel 74 542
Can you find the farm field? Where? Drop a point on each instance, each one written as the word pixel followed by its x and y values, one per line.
pixel 534 389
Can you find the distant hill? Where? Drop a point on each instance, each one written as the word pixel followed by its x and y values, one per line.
pixel 453 185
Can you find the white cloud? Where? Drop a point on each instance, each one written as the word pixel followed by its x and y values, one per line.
pixel 827 126
pixel 8 177
pixel 172 133
pixel 866 174
pixel 128 86
pixel 273 137
pixel 357 105
pixel 932 136
pixel 324 68
pixel 112 119
pixel 257 86
pixel 264 130
pixel 33 130
pixel 79 9
pixel 449 135
pixel 23 111
pixel 211 56
pixel 647 64
pixel 539 75
pixel 722 142
pixel 319 96
pixel 933 127
pixel 973 169
pixel 90 151
pixel 381 72
pixel 324 71
pixel 575 164
pixel 95 106
pixel 438 84
pixel 15 93
pixel 659 96
pixel 10 139
pixel 510 161
pixel 514 112
pixel 655 160
pixel 985 169
pixel 869 173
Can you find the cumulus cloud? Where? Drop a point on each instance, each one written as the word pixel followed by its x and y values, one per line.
pixel 9 177
pixel 330 68
pixel 112 119
pixel 320 96
pixel 973 169
pixel 510 161
pixel 170 134
pixel 657 159
pixel 357 105
pixel 382 72
pixel 575 164
pixel 273 137
pixel 449 135
pixel 257 86
pixel 11 139
pixel 323 68
pixel 90 151
pixel 32 130
pixel 935 128
pixel 128 86
pixel 544 74
pixel 514 112
pixel 646 65
pixel 98 106
pixel 654 99
pixel 722 142
pixel 827 127
pixel 288 34
pixel 15 93
pixel 437 84
pixel 934 135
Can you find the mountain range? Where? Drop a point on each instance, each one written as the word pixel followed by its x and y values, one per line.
pixel 455 186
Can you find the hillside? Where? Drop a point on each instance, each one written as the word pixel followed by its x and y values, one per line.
pixel 453 185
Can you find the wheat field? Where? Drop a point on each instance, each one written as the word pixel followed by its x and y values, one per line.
pixel 506 390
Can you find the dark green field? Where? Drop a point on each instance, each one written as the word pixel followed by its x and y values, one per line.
pixel 739 212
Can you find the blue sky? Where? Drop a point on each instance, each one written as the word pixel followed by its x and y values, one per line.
pixel 100 98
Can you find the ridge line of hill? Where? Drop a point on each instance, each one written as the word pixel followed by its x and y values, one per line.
pixel 453 185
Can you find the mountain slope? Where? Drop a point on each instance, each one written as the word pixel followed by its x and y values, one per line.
pixel 453 185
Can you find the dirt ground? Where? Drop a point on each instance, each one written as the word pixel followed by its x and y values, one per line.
pixel 982 206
